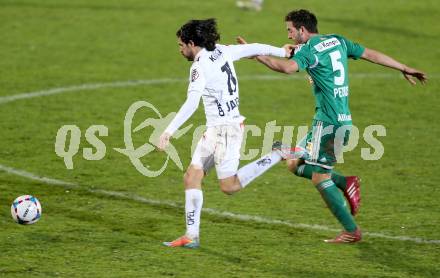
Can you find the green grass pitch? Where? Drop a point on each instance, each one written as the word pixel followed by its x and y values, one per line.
pixel 110 221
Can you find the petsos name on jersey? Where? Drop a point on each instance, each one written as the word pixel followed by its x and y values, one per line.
pixel 340 91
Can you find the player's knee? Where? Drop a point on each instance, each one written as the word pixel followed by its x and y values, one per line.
pixel 192 178
pixel 317 178
pixel 228 190
pixel 292 165
pixel 229 186
pixel 186 178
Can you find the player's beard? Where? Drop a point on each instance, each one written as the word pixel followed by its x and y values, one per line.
pixel 189 56
pixel 298 39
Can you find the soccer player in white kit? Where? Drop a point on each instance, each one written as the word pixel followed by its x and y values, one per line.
pixel 213 78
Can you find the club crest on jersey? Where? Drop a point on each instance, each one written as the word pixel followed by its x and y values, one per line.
pixel 194 75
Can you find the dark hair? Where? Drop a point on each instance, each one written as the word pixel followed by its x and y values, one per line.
pixel 303 18
pixel 202 32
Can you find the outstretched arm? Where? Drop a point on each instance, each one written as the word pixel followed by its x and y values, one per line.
pixel 279 65
pixel 185 112
pixel 384 60
pixel 239 51
pixel 283 66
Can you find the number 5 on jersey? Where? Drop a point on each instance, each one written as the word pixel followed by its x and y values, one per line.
pixel 335 56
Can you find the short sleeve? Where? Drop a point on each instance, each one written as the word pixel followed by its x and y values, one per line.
pixel 304 58
pixel 354 50
pixel 196 79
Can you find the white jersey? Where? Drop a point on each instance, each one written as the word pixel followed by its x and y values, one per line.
pixel 213 73
pixel 212 76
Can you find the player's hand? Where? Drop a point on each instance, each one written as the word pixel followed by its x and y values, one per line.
pixel 241 40
pixel 409 73
pixel 290 50
pixel 164 141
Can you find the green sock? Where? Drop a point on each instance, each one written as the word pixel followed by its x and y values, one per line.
pixel 336 203
pixel 339 180
pixel 306 171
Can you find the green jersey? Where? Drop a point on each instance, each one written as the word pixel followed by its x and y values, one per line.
pixel 325 58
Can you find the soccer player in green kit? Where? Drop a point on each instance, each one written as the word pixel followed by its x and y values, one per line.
pixel 325 59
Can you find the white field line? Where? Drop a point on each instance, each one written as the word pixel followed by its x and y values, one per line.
pixel 85 87
pixel 133 83
pixel 223 214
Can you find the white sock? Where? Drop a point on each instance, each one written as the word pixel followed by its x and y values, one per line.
pixel 251 171
pixel 193 208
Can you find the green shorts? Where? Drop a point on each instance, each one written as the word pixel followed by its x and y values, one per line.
pixel 322 145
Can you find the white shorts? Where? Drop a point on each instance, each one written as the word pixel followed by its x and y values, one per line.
pixel 220 147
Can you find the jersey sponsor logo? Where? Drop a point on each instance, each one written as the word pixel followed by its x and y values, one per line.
pixel 194 75
pixel 214 56
pixel 327 44
pixel 344 117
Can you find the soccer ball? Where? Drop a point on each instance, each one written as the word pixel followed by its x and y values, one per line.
pixel 26 209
